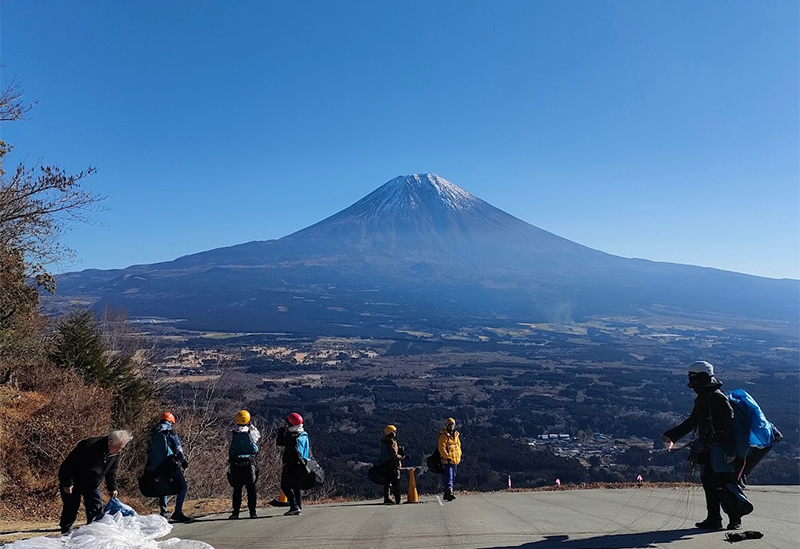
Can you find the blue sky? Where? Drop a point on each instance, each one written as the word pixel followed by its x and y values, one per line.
pixel 662 130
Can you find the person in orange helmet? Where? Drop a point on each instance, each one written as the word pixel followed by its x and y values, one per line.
pixel 165 456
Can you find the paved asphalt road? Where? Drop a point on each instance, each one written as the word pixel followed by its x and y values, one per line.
pixel 570 519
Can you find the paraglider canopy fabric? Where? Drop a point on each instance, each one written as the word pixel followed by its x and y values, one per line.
pixel 752 427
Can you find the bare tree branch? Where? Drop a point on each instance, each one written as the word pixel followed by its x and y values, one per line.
pixel 11 105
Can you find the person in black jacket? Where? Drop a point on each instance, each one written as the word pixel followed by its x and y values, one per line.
pixel 297 451
pixel 81 473
pixel 715 452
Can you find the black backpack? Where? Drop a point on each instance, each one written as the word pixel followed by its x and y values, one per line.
pixel 315 475
pixel 434 462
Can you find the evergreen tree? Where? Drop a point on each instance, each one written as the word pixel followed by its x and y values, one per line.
pixel 80 346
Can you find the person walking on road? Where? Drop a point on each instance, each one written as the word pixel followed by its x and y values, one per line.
pixel 243 462
pixel 297 451
pixel 450 450
pixel 165 454
pixel 86 466
pixel 715 450
pixel 390 462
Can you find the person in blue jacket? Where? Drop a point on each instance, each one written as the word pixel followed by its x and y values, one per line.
pixel 165 453
pixel 297 451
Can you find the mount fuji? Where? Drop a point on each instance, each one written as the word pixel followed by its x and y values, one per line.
pixel 419 249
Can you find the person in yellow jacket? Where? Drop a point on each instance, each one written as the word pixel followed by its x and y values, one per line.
pixel 450 450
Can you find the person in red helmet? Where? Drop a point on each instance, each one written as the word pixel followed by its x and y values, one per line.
pixel 294 440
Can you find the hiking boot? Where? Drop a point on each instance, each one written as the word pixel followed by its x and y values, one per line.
pixel 292 513
pixel 178 516
pixel 448 495
pixel 388 501
pixel 234 516
pixel 253 514
pixel 734 524
pixel 710 524
pixel 66 531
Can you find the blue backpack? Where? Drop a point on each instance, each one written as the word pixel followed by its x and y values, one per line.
pixel 751 426
pixel 242 445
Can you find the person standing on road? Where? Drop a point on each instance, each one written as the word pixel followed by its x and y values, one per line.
pixel 715 449
pixel 81 473
pixel 390 461
pixel 297 451
pixel 165 454
pixel 450 450
pixel 243 462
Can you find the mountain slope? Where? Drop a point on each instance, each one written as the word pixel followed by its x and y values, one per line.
pixel 420 247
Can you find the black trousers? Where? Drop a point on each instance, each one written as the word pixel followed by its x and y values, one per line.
pixel 291 478
pixel 714 487
pixel 391 484
pixel 251 497
pixel 244 474
pixel 92 503
pixel 293 495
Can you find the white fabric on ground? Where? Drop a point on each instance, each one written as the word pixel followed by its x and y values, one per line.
pixel 115 532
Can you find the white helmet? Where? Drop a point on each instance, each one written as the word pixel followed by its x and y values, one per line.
pixel 701 367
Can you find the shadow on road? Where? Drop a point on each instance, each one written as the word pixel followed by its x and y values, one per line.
pixel 607 541
pixel 380 504
pixel 213 518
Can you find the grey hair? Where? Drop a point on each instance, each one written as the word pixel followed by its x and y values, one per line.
pixel 119 437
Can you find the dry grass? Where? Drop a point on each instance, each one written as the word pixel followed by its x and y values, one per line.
pixel 39 429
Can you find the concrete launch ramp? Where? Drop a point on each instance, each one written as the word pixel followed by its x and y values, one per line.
pixel 568 519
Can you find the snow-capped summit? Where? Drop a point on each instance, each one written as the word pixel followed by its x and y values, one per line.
pixel 419 249
pixel 411 190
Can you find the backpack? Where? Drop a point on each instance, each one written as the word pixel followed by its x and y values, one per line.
pixel 376 474
pixel 158 450
pixel 434 462
pixel 163 481
pixel 242 445
pixel 751 426
pixel 315 475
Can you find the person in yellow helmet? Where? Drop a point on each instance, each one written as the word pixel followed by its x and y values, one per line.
pixel 450 450
pixel 243 462
pixel 390 462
